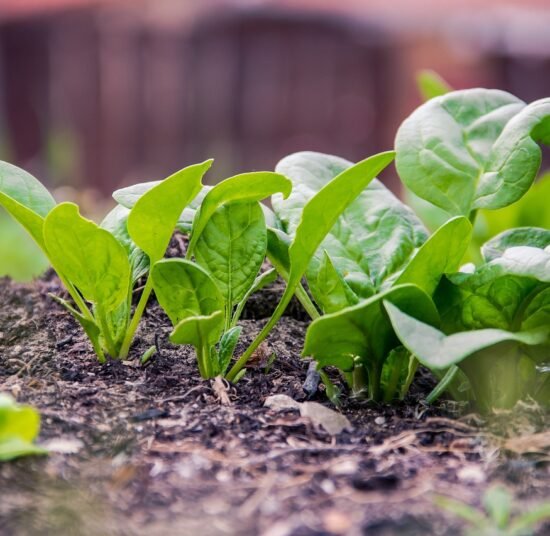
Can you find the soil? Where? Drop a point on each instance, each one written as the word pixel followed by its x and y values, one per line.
pixel 155 450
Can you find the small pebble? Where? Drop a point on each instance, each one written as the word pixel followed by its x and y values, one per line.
pixel 380 420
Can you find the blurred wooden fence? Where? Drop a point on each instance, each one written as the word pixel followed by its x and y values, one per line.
pixel 107 97
pixel 102 97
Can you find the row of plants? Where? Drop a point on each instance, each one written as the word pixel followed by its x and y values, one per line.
pixel 383 294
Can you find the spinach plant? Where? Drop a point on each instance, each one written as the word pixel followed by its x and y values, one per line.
pixel 468 150
pixel 99 265
pixel 205 299
pixel 495 321
pixel 19 427
pixel 377 249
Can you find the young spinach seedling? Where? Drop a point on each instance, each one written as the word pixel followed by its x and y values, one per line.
pixel 99 265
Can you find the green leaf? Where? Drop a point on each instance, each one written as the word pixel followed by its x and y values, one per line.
pixel 332 293
pixel 441 254
pixel 497 362
pixel 363 330
pixel 370 241
pixel 116 222
pixel 520 236
pixel 128 197
pixel 232 248
pixel 439 351
pixel 199 330
pixel 25 198
pixel 248 187
pixel 430 84
pixel 529 211
pixel 90 257
pixel 448 153
pixel 19 427
pixel 185 290
pixel 227 345
pixel 515 157
pixel 154 216
pixel 202 332
pixel 525 261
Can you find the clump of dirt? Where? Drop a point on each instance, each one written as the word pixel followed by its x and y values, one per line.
pixel 156 450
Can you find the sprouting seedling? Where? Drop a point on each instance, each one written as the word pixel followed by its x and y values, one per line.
pixel 19 427
pixel 205 299
pixel 497 516
pixel 99 265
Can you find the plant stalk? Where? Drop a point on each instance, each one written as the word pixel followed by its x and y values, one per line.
pixel 129 337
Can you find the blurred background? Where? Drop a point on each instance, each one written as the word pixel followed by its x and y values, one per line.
pixel 97 94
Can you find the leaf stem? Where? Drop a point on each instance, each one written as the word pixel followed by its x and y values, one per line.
pixel 279 310
pixel 306 302
pixel 443 385
pixel 130 332
pixel 105 330
pixel 77 298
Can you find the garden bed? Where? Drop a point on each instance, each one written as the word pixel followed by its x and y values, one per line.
pixel 156 450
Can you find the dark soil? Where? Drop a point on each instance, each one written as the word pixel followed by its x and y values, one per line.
pixel 153 450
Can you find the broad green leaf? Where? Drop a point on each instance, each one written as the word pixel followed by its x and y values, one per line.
pixel 90 257
pixel 442 253
pixel 200 331
pixel 232 248
pixel 332 293
pixel 490 298
pixel 529 211
pixel 499 364
pixel 116 222
pixel 248 187
pixel 17 420
pixel 520 236
pixel 430 84
pixel 227 345
pixel 525 261
pixel 329 207
pixel 185 290
pixel 448 154
pixel 371 240
pixel 25 198
pixel 515 157
pixel 436 350
pixel 19 427
pixel 364 330
pixel 154 216
pixel 128 197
